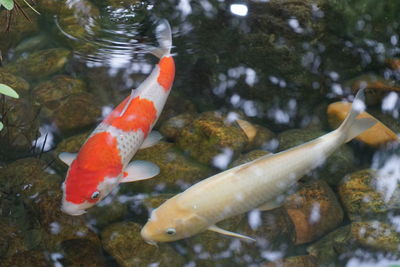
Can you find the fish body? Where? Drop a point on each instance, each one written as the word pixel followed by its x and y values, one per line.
pixel 103 160
pixel 249 186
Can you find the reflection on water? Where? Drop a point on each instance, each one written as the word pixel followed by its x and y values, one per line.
pixel 277 64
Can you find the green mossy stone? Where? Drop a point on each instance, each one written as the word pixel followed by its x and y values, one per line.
pixel 295 261
pixel 40 64
pixel 173 126
pixel 176 170
pixel 105 214
pixel 123 242
pixel 208 135
pixel 82 252
pixel 340 163
pixel 250 156
pixel 27 258
pixel 17 83
pixel 77 111
pixel 20 28
pixel 58 88
pixel 362 200
pixel 336 248
pixel 20 126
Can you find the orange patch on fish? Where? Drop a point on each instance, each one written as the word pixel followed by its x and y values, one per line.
pixel 97 159
pixel 167 72
pixel 140 114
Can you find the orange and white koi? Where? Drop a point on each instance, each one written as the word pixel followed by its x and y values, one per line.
pixel 103 161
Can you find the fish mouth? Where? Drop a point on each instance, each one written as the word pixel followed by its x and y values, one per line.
pixel 72 209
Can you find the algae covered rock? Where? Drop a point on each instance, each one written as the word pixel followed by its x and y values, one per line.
pixel 314 211
pixel 58 88
pixel 172 127
pixel 20 126
pixel 15 82
pixel 256 134
pixel 336 248
pixel 340 163
pixel 82 252
pixel 107 212
pixel 27 258
pixel 41 63
pixel 208 135
pixel 176 169
pixel 361 199
pixel 250 156
pixel 20 28
pixel 124 243
pixel 295 261
pixel 76 111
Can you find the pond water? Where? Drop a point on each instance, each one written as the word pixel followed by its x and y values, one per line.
pixel 277 64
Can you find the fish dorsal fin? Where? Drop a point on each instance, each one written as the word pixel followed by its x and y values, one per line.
pixel 153 138
pixel 249 129
pixel 133 94
pixel 67 157
pixel 140 170
pixel 215 228
pixel 270 205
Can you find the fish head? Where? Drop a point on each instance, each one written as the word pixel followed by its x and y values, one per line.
pixel 170 222
pixel 83 188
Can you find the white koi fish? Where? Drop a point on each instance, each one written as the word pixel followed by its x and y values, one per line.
pixel 103 161
pixel 255 184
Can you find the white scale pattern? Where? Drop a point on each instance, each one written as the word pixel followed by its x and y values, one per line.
pixel 128 142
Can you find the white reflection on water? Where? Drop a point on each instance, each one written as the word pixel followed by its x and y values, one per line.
pixel 390 104
pixel 239 9
pixel 355 262
pixel 222 160
pixel 255 219
pixel 389 177
pixel 184 7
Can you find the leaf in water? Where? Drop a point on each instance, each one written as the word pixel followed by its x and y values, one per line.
pixel 1 126
pixel 8 4
pixel 7 90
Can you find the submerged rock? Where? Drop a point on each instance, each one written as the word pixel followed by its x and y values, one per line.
pixel 176 169
pixel 340 163
pixel 20 126
pixel 361 199
pixel 27 258
pixel 377 135
pixel 250 156
pixel 15 82
pixel 336 248
pixel 314 211
pixel 82 252
pixel 256 134
pixel 208 136
pixel 58 88
pixel 41 63
pixel 295 261
pixel 76 112
pixel 20 28
pixel 124 243
pixel 172 127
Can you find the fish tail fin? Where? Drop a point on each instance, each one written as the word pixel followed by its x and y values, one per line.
pixel 352 127
pixel 164 38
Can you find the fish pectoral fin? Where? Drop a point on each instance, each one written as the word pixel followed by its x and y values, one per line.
pixel 270 205
pixel 153 138
pixel 67 157
pixel 140 170
pixel 215 228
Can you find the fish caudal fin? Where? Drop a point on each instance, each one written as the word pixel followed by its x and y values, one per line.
pixel 352 127
pixel 164 38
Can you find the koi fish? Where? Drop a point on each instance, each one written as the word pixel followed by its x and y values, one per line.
pixel 256 184
pixel 103 160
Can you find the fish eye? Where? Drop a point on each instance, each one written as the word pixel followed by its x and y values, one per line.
pixel 170 231
pixel 95 195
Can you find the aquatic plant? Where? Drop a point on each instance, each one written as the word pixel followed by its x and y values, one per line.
pixel 8 91
pixel 14 7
